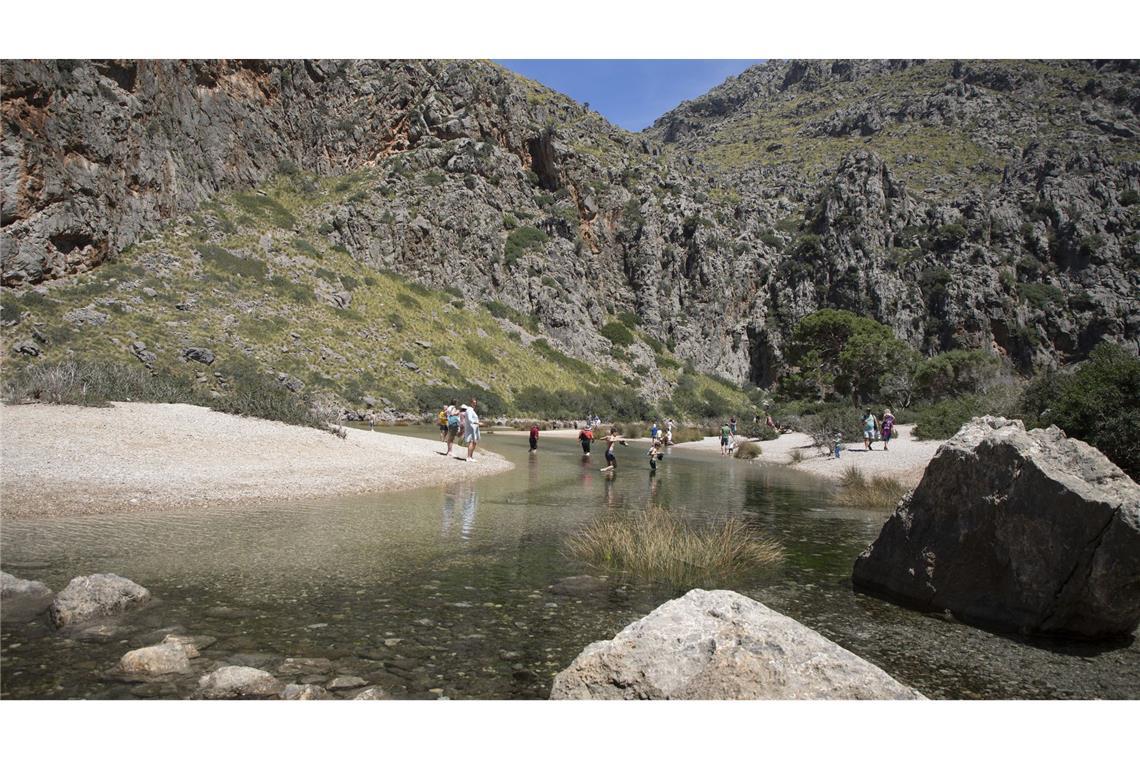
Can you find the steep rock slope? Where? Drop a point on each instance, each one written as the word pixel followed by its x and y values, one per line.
pixel 963 203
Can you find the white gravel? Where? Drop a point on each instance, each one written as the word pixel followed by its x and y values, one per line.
pixel 906 459
pixel 68 460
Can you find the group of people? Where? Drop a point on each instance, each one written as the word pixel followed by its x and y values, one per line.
pixel 875 429
pixel 461 422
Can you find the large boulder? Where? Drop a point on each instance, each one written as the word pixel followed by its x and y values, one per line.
pixel 721 645
pixel 238 682
pixel 92 596
pixel 22 599
pixel 1022 530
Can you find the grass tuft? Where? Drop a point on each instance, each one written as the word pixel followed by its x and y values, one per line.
pixel 748 450
pixel 880 492
pixel 657 545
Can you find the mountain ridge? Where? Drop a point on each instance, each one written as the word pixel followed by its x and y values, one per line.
pixel 470 178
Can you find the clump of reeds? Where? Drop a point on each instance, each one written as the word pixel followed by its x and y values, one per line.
pixel 879 492
pixel 657 545
pixel 748 450
pixel 797 456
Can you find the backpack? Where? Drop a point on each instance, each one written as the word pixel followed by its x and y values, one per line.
pixel 453 420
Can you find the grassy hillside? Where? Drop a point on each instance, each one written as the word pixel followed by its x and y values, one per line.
pixel 252 278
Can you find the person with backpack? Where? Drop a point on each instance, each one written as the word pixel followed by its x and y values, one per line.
pixel 452 419
pixel 534 437
pixel 586 437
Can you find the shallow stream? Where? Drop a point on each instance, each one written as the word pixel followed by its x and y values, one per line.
pixel 447 591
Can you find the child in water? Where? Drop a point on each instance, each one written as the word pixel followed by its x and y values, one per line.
pixel 534 437
pixel 655 454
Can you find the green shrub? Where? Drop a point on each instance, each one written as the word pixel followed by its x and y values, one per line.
pixel 949 237
pixel 1098 403
pixel 839 353
pixel 264 207
pixel 433 179
pixel 955 373
pixel 502 311
pixel 226 262
pixel 305 247
pixel 476 349
pixel 547 351
pixel 1129 198
pixel 1041 295
pixel 410 301
pixel 617 333
pixel 296 292
pixel 520 240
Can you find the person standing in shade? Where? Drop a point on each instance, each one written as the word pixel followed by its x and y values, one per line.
pixel 888 427
pixel 534 437
pixel 732 424
pixel 654 431
pixel 586 437
pixel 471 426
pixel 724 433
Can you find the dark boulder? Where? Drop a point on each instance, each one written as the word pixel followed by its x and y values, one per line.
pixel 1020 530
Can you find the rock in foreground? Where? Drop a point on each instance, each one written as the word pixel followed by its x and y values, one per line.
pixel 1029 531
pixel 22 599
pixel 238 682
pixel 721 645
pixel 98 595
pixel 159 659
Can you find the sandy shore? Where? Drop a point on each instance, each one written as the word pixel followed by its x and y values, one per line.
pixel 68 460
pixel 906 459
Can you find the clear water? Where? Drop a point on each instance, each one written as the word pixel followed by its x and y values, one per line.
pixel 446 591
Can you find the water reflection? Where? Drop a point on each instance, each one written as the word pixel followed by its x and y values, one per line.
pixel 461 575
pixel 461 496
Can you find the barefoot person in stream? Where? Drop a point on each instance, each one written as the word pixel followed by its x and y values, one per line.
pixel 611 439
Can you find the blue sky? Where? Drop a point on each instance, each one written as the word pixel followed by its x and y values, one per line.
pixel 630 93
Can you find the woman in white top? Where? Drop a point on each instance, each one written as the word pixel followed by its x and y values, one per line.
pixel 471 425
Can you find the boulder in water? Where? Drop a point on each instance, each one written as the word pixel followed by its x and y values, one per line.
pixel 306 691
pixel 92 596
pixel 238 682
pixel 21 599
pixel 159 659
pixel 721 645
pixel 1022 530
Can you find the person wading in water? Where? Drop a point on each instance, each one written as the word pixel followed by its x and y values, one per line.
pixel 611 439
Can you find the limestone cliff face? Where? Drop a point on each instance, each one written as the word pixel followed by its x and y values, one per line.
pixel 965 204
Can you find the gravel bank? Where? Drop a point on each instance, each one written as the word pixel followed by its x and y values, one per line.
pixel 69 460
pixel 906 459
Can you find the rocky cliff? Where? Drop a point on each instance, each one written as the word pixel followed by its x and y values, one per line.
pixel 966 204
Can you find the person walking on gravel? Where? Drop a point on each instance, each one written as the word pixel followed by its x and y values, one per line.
pixel 870 428
pixel 471 425
pixel 452 412
pixel 888 427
